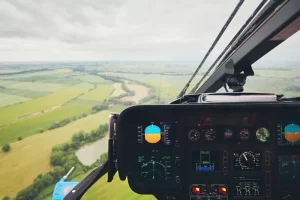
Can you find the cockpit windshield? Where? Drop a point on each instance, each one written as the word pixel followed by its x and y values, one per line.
pixel 64 67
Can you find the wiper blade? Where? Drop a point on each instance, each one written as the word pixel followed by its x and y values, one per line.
pixel 193 91
pixel 212 47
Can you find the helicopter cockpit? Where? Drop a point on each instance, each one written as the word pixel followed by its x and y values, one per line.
pixel 215 146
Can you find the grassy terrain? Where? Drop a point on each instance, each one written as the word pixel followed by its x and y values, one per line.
pixel 8 99
pixel 100 93
pixel 12 113
pixel 44 87
pixel 34 124
pixel 32 153
pixel 115 190
pixel 23 93
pixel 117 90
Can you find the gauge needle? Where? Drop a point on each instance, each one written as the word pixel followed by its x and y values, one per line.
pixel 245 157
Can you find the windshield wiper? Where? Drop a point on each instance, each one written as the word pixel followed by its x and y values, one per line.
pixel 212 47
pixel 193 91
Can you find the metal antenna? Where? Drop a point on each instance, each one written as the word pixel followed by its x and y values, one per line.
pixel 212 47
pixel 193 91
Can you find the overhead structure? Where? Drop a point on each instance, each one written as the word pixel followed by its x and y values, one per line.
pixel 276 22
pixel 238 6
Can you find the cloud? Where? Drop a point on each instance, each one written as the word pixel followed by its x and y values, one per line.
pixel 115 29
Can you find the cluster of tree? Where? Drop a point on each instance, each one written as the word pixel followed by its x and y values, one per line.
pixel 64 122
pixel 6 148
pixel 99 108
pixel 117 100
pixel 81 138
pixel 63 158
pixel 111 78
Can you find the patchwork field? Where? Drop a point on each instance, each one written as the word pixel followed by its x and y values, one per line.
pixel 33 153
pixel 39 122
pixel 12 113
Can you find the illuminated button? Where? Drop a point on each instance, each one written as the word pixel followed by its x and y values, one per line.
pixel 196 190
pixel 223 190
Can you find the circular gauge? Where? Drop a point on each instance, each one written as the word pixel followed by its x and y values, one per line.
pixel 210 134
pixel 262 134
pixel 228 133
pixel 247 160
pixel 194 135
pixel 244 134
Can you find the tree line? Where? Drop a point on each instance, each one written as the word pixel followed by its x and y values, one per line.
pixel 63 158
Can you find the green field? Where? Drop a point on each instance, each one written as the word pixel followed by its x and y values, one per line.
pixel 12 113
pixel 34 124
pixel 32 153
pixel 8 99
pixel 100 93
pixel 115 190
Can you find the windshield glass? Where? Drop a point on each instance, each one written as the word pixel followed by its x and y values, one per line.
pixel 64 67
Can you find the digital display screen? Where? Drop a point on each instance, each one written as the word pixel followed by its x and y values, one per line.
pixel 289 167
pixel 206 161
pixel 155 168
pixel 288 133
pixel 224 120
pixel 247 186
pixel 155 133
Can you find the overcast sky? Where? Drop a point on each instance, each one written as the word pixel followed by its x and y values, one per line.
pixel 73 30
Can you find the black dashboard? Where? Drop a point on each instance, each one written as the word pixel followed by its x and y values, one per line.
pixel 211 151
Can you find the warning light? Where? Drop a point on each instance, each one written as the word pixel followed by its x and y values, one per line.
pixel 196 190
pixel 223 190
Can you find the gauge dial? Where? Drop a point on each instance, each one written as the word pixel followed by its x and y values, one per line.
pixel 262 134
pixel 247 160
pixel 194 135
pixel 228 133
pixel 210 134
pixel 244 134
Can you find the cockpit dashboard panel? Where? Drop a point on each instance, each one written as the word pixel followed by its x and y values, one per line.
pixel 216 151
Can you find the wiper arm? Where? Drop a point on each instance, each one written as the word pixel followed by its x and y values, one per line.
pixel 193 91
pixel 78 191
pixel 212 47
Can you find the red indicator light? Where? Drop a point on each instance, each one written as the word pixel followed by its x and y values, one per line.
pixel 223 190
pixel 196 190
pixel 204 121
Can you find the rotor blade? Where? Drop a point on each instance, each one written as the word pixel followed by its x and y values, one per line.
pixel 229 45
pixel 212 46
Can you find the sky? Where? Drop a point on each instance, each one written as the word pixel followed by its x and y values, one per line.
pixel 89 30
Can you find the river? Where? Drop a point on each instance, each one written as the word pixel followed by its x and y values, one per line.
pixel 88 154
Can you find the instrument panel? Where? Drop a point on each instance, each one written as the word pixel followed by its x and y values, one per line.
pixel 211 152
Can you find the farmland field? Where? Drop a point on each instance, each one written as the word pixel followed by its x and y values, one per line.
pixel 12 113
pixel 100 93
pixel 117 90
pixel 33 153
pixel 39 122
